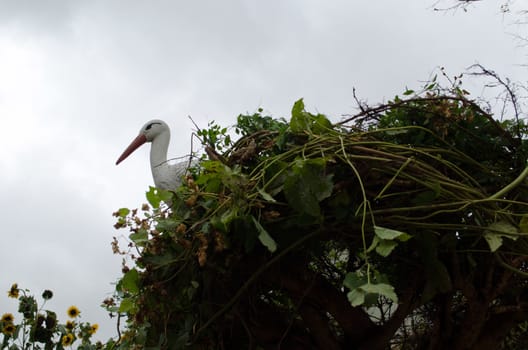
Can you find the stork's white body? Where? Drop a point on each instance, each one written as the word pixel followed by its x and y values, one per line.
pixel 166 176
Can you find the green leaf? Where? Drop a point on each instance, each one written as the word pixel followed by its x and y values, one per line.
pixel 264 236
pixel 374 244
pixel 139 237
pixel 298 108
pixel 165 225
pixel 382 289
pixel 299 196
pixel 356 297
pixel 494 241
pixel 306 185
pixel 165 196
pixel 504 228
pixel 127 305
pixel 408 92
pixel 319 184
pixel 153 197
pixel 300 119
pixel 362 292
pixel 353 280
pixel 130 280
pixel 385 247
pixel 496 231
pixel 390 234
pixel 123 212
pixel 321 124
pixel 159 260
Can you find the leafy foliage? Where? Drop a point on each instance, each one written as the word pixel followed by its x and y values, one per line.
pixel 312 235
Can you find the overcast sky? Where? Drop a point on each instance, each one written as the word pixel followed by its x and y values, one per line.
pixel 79 78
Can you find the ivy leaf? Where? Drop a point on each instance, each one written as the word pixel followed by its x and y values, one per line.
pixel 494 241
pixel 159 260
pixel 129 282
pixel 155 196
pixel 299 196
pixel 496 231
pixel 165 196
pixel 300 119
pixel 307 185
pixel 353 280
pixel 298 108
pixel 382 289
pixel 356 297
pixel 361 291
pixel 384 240
pixel 264 237
pixel 167 225
pixel 385 247
pixel 390 234
pixel 313 173
pixel 127 305
pixel 139 237
pixel 152 197
pixel 321 124
pixel 123 212
pixel 374 244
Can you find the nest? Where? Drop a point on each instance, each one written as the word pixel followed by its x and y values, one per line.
pixel 413 196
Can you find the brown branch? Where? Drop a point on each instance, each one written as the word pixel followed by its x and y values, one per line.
pixel 391 105
pixel 507 86
pixel 317 322
pixel 294 277
pixel 498 326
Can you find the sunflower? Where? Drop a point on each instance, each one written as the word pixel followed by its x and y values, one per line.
pixel 9 329
pixel 73 311
pixel 13 291
pixel 8 318
pixel 47 294
pixel 67 339
pixel 93 328
pixel 70 325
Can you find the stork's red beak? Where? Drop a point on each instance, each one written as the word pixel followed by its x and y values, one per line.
pixel 138 141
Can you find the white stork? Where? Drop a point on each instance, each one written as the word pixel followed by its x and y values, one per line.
pixel 166 176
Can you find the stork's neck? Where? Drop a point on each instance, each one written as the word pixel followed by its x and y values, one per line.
pixel 158 149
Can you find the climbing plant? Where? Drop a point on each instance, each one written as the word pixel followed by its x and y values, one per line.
pixel 402 226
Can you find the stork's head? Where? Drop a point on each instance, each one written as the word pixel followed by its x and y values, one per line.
pixel 148 133
pixel 153 128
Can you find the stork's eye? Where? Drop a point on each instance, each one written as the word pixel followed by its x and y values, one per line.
pixel 150 126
